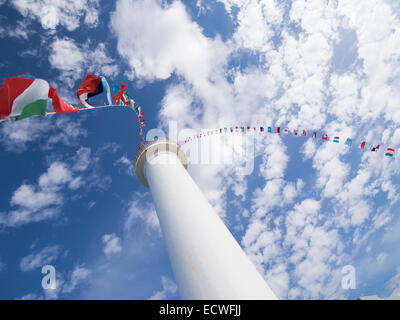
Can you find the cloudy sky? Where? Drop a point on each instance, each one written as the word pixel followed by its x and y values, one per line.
pixel 308 208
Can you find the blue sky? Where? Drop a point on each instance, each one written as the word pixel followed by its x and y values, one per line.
pixel 70 198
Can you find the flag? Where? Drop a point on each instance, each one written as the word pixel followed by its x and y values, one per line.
pixel 315 135
pixel 21 98
pixel 242 129
pixel 362 145
pixel 278 129
pixel 348 141
pixel 262 129
pixel 124 99
pixel 325 137
pixel 304 133
pixel 375 148
pixel 336 139
pixel 231 129
pixel 58 104
pixel 248 128
pixel 91 86
pixel 269 129
pixel 286 130
pixel 295 131
pixel 389 152
pixel 220 130
pixel 106 87
pixel 237 128
pixel 117 97
pixel 225 129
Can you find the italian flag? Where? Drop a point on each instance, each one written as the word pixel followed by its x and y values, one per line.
pixel 21 98
pixel 389 152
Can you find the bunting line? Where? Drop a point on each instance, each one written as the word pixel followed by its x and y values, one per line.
pixel 245 129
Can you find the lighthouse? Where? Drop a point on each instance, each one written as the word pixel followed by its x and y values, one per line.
pixel 206 260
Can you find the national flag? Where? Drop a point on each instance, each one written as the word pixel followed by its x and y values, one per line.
pixel 226 130
pixel 375 148
pixel 106 88
pixel 91 86
pixel 117 97
pixel 315 135
pixel 261 129
pixel 269 129
pixel 220 130
pixel 295 131
pixel 21 98
pixel 389 152
pixel 278 129
pixel 231 129
pixel 237 129
pixel 304 133
pixel 248 128
pixel 242 128
pixel 362 145
pixel 286 130
pixel 124 99
pixel 348 141
pixel 336 139
pixel 58 104
pixel 325 137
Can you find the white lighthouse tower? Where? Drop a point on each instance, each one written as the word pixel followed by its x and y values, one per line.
pixel 206 260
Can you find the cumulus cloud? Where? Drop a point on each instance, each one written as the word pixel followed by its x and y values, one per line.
pixel 61 12
pixel 73 60
pixel 112 244
pixel 44 200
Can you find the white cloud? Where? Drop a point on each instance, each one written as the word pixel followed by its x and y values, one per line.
pixel 83 159
pixel 52 13
pixel 20 31
pixel 255 21
pixel 112 244
pixel 142 211
pixel 57 174
pixel 394 284
pixel 44 200
pixel 74 60
pixel 79 275
pixel 168 287
pixel 65 283
pixel 177 43
pixel 125 163
pixel 37 260
pixel 18 136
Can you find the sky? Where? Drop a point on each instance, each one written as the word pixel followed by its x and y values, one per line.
pixel 307 209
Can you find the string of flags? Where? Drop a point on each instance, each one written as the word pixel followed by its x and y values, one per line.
pixel 21 98
pixel 335 139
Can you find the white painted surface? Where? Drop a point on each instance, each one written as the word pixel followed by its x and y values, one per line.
pixel 207 261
